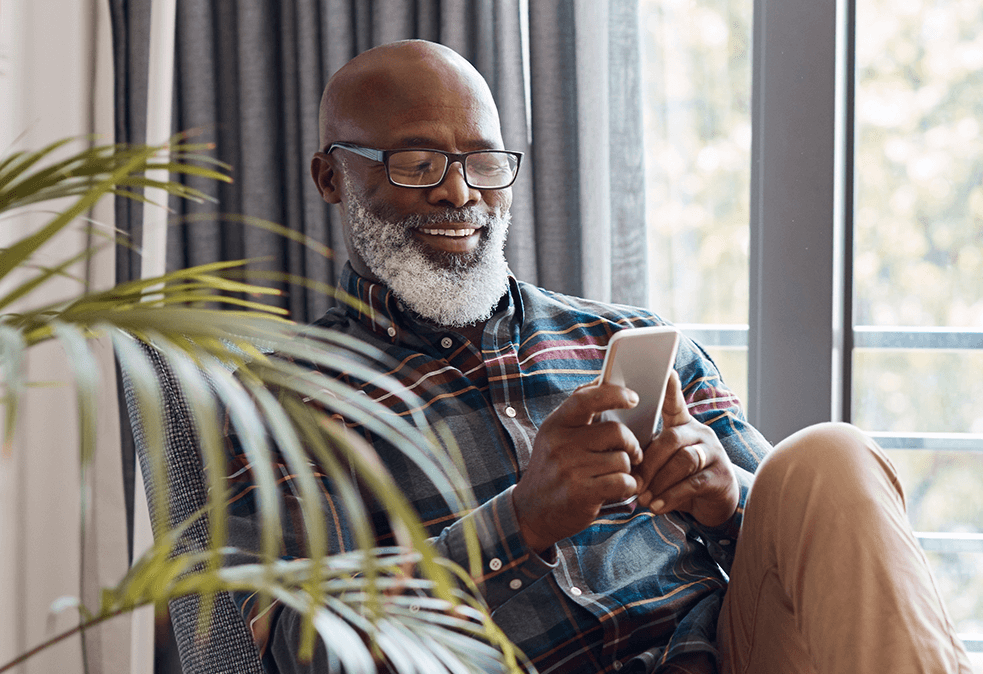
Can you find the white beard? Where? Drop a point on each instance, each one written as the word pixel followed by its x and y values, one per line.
pixel 447 289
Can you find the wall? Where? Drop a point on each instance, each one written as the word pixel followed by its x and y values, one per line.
pixel 56 81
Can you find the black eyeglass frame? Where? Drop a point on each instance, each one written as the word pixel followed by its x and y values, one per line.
pixel 382 156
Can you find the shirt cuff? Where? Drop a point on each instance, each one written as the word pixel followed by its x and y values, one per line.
pixel 722 540
pixel 507 565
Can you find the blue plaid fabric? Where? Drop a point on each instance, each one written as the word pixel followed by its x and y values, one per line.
pixel 633 591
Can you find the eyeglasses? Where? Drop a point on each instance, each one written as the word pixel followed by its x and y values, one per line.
pixel 483 169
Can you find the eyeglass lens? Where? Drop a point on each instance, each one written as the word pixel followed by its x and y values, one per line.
pixel 422 168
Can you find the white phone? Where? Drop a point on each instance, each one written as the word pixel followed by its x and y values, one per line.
pixel 641 359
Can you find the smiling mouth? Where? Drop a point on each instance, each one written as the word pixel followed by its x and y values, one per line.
pixel 453 233
pixel 454 240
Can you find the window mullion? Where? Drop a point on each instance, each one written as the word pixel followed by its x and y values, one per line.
pixel 792 270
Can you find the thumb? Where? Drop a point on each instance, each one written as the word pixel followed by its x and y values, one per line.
pixel 674 410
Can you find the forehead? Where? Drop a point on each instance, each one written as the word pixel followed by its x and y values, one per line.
pixel 403 102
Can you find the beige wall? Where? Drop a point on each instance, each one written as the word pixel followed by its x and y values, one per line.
pixel 56 81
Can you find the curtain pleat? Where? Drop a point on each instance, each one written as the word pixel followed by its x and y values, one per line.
pixel 130 24
pixel 555 169
pixel 629 262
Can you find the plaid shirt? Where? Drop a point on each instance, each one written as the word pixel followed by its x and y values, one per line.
pixel 632 584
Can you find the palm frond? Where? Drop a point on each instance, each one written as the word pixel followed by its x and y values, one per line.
pixel 243 361
pixel 98 171
pixel 409 629
pixel 12 384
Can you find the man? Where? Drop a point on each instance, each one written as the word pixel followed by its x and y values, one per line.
pixel 824 573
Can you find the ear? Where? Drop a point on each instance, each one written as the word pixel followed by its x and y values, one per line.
pixel 327 180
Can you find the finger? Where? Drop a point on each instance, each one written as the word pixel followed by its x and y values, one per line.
pixel 613 487
pixel 594 382
pixel 588 402
pixel 665 445
pixel 681 495
pixel 685 463
pixel 606 463
pixel 711 496
pixel 612 436
pixel 674 410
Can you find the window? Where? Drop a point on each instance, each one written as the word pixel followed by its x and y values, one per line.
pixel 918 285
pixel 820 227
pixel 696 80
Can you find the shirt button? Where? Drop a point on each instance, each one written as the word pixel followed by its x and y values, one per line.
pixel 617 665
pixel 447 342
pixel 510 412
pixel 391 331
pixel 495 564
pixel 515 583
pixel 725 541
pixel 576 591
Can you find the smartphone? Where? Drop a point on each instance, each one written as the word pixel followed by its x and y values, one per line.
pixel 641 359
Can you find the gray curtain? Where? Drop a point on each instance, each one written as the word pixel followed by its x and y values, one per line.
pixel 250 75
pixel 130 22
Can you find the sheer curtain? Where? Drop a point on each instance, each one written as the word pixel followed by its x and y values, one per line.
pixel 250 75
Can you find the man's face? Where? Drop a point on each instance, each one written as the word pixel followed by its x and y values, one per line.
pixel 440 249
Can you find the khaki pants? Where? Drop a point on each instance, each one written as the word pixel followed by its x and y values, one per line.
pixel 828 576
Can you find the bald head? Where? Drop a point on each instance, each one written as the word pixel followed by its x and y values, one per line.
pixel 379 91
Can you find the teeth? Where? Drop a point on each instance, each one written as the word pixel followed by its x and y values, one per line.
pixel 450 232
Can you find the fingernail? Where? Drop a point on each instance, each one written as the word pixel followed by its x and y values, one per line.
pixel 632 398
pixel 656 506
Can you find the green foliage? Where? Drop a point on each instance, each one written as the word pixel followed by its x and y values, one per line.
pixel 919 163
pixel 359 602
pixel 919 255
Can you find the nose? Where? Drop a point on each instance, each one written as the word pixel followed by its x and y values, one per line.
pixel 454 190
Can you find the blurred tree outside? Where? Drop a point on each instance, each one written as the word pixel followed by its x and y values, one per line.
pixel 918 224
pixel 697 112
pixel 696 88
pixel 919 257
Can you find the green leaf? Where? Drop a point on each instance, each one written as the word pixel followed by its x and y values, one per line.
pixel 245 421
pixel 12 347
pixel 16 166
pixel 287 441
pixel 86 375
pixel 25 247
pixel 346 597
pixel 146 387
pixel 46 274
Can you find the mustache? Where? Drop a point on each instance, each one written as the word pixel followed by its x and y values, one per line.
pixel 470 215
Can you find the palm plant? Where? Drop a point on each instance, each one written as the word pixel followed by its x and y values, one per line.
pixel 355 600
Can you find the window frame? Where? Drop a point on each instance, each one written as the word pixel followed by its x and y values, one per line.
pixel 800 216
pixel 801 252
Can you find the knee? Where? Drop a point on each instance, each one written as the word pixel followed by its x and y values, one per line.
pixel 815 447
pixel 840 459
pixel 823 442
